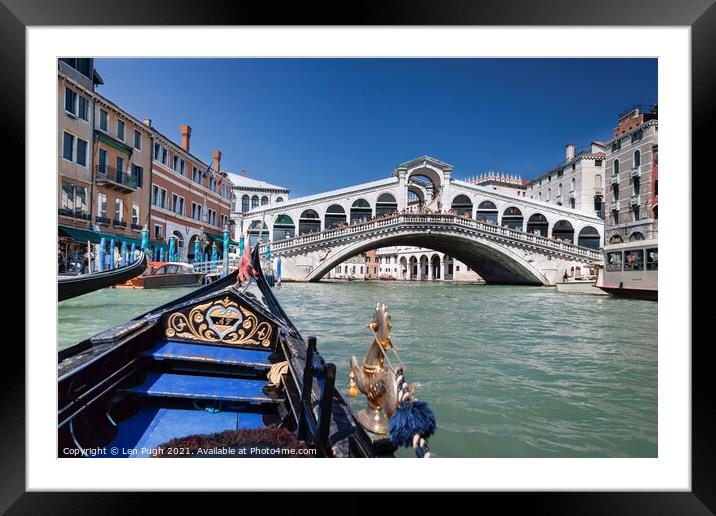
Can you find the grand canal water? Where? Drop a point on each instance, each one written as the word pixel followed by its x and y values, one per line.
pixel 509 371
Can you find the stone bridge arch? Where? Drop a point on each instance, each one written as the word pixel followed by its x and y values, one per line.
pixel 495 263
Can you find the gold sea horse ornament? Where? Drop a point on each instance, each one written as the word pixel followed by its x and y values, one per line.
pixel 375 377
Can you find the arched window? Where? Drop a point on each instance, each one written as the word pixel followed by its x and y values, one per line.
pixel 245 203
pixel 637 158
pixel 616 167
pixel 512 218
pixel 486 212
pixel 179 239
pixel 360 210
pixel 386 203
pixel 309 222
pixel 264 201
pixel 257 230
pixel 563 230
pixel 462 205
pixel 616 239
pixel 283 228
pixel 537 224
pixel 255 201
pixel 335 215
pixel 589 237
pixel 636 235
pixel 279 199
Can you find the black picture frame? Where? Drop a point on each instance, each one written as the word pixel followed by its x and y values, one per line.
pixel 700 15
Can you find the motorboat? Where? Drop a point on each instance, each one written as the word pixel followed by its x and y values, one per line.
pixel 166 274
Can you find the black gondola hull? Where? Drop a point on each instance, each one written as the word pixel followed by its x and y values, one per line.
pixel 73 286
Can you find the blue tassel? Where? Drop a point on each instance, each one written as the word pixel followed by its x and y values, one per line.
pixel 410 419
pixel 317 365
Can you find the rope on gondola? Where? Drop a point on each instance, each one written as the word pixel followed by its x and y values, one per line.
pixel 413 421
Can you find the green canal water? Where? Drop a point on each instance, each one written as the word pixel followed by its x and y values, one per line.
pixel 509 371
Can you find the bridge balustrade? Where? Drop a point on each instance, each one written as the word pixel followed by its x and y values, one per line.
pixel 429 219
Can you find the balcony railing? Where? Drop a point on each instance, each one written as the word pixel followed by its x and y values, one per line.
pixel 114 177
pixel 119 223
pixel 635 172
pixel 614 206
pixel 136 227
pixel 635 200
pixel 598 191
pixel 614 179
pixel 101 220
pixel 75 214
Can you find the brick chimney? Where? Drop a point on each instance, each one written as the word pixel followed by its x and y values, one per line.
pixel 185 137
pixel 570 151
pixel 217 160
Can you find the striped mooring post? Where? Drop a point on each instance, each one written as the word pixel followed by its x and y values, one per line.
pixel 226 251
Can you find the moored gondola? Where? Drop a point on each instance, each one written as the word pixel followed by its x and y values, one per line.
pixel 223 361
pixel 69 286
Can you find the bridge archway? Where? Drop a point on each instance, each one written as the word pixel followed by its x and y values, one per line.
pixel 487 212
pixel 283 228
pixel 385 203
pixel 513 219
pixel 416 195
pixel 537 224
pixel 495 263
pixel 309 222
pixel 360 209
pixel 335 215
pixel 564 231
pixel 462 205
pixel 589 237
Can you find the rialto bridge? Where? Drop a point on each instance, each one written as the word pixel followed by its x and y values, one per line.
pixel 504 238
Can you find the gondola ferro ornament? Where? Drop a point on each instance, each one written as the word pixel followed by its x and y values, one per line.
pixel 375 378
pixel 392 408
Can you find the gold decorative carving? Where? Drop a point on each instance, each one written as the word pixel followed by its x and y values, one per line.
pixel 220 321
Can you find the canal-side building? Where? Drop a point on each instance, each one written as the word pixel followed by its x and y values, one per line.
pixel 76 81
pixel 249 193
pixel 500 182
pixel 121 157
pixel 355 268
pixel 412 263
pixel 190 200
pixel 632 176
pixel 577 182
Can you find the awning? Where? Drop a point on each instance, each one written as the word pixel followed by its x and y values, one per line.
pixel 82 236
pixel 220 238
pixel 116 145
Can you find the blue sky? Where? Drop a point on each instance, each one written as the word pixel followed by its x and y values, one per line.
pixel 317 124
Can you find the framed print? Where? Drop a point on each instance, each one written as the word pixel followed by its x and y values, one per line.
pixel 459 201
